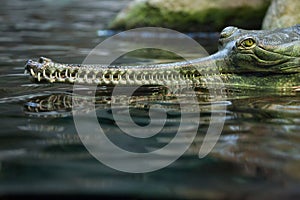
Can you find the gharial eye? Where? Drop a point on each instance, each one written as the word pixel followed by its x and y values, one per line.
pixel 248 42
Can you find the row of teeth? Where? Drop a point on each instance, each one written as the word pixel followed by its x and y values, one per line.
pixel 156 78
pixel 112 79
pixel 52 77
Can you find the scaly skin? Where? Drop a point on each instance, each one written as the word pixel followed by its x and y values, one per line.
pixel 246 59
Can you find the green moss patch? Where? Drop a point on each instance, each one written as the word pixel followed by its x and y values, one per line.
pixel 212 19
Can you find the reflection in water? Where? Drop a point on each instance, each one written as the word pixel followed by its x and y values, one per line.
pixel 112 110
pixel 256 157
pixel 249 137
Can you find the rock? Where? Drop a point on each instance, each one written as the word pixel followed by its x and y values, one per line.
pixel 282 13
pixel 192 15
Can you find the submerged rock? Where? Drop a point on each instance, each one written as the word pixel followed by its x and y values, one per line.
pixel 192 15
pixel 282 13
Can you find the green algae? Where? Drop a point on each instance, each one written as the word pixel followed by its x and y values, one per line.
pixel 211 19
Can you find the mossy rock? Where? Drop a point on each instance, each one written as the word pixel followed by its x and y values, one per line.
pixel 282 13
pixel 192 15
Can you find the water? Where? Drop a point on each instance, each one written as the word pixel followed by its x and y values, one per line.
pixel 256 157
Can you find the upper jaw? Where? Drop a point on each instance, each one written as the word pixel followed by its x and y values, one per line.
pixel 31 67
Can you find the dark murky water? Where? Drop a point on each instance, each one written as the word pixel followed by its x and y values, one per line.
pixel 257 155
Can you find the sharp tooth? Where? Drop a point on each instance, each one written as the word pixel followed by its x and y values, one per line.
pixel 25 72
pixel 39 76
pixel 44 73
pixel 66 73
pixel 32 72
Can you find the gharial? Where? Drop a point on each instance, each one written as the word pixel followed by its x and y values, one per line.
pixel 246 58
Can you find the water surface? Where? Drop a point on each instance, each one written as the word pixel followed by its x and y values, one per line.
pixel 256 157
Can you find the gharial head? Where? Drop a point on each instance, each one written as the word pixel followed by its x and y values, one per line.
pixel 42 69
pixel 270 51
